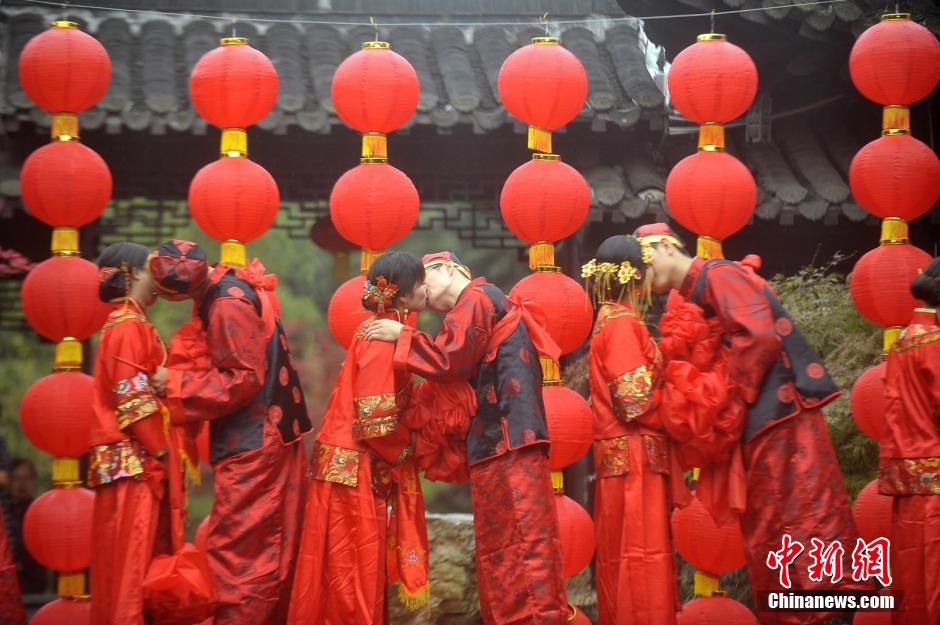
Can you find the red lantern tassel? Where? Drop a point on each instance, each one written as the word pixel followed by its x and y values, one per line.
pixel 889 336
pixel 368 257
pixel 705 584
pixel 71 584
pixel 233 253
pixel 540 139
pixel 541 254
pixel 709 248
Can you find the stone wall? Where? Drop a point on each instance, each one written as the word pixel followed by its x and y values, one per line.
pixel 454 599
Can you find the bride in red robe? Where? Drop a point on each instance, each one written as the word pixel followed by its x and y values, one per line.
pixel 363 458
pixel 910 456
pixel 636 575
pixel 128 445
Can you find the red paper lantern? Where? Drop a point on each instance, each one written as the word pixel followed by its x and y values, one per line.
pixel 880 283
pixel 60 298
pixel 374 205
pixel 567 308
pixel 711 549
pixel 895 62
pixel 715 610
pixel 868 401
pixel 576 532
pixel 544 200
pixel 64 70
pixel 234 85
pixel 57 529
pixel 234 198
pixel 711 193
pixel 345 313
pixel 712 80
pixel 570 426
pixel 873 513
pixel 56 413
pixel 63 611
pixel 543 84
pixel 896 176
pixel 375 89
pixel 64 183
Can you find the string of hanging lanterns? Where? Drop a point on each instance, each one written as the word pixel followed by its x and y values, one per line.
pixel 66 185
pixel 895 178
pixel 375 91
pixel 543 201
pixel 712 193
pixel 233 199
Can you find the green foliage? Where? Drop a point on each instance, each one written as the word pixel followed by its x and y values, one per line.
pixel 26 358
pixel 819 303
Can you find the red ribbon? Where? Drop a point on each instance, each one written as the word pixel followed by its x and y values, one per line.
pixel 534 318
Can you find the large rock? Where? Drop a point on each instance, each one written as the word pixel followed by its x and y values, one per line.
pixel 454 599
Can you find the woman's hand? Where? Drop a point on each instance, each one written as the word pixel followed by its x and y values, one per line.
pixel 158 381
pixel 383 330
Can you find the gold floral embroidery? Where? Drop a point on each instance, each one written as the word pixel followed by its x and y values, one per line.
pixel 915 336
pixel 135 400
pixel 657 451
pixel 612 457
pixel 336 464
pixel 377 415
pixel 611 311
pixel 114 461
pixel 361 330
pixel 909 476
pixel 632 392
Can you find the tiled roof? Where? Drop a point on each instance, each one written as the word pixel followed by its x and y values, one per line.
pixel 457 67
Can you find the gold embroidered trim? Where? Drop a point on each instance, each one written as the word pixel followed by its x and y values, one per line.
pixel 122 315
pixel 909 476
pixel 657 451
pixel 135 400
pixel 361 330
pixel 336 464
pixel 114 461
pixel 632 392
pixel 612 457
pixel 915 336
pixel 611 311
pixel 377 415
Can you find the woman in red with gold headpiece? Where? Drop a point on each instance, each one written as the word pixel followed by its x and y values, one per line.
pixel 910 455
pixel 362 458
pixel 636 577
pixel 128 444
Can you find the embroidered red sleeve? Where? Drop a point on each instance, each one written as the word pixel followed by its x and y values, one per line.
pixel 627 369
pixel 456 352
pixel 233 373
pixel 378 403
pixel 746 317
pixel 133 397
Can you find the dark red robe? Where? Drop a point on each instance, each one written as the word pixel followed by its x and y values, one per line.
pixel 126 467
pixel 635 567
pixel 231 365
pixel 518 554
pixel 910 467
pixel 794 484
